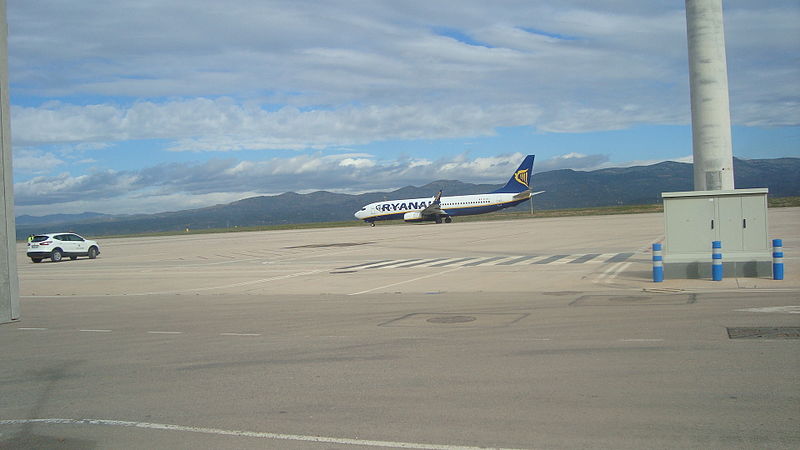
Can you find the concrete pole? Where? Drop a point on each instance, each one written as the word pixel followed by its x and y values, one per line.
pixel 9 283
pixel 711 119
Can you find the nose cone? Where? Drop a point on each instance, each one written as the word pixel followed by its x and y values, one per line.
pixel 360 214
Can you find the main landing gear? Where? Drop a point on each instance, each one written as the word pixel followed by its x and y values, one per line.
pixel 447 219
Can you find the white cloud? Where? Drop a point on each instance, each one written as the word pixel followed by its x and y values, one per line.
pixel 33 161
pixel 570 65
pixel 358 163
pixel 318 77
pixel 203 124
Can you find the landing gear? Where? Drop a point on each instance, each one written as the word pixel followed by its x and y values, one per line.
pixel 372 224
pixel 448 219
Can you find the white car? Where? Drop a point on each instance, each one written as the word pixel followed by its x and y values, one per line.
pixel 58 245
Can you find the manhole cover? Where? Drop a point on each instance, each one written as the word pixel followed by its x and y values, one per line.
pixel 764 332
pixel 451 319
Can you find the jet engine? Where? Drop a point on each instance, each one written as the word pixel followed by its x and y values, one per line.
pixel 413 216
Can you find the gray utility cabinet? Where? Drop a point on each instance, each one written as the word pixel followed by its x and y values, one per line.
pixel 737 218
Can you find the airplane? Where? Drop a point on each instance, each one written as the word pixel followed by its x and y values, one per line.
pixel 438 208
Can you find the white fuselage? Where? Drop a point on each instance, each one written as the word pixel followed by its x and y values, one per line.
pixel 461 205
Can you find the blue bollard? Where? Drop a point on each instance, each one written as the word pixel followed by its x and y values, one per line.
pixel 716 261
pixel 658 264
pixel 777 259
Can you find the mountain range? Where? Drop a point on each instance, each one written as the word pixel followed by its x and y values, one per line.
pixel 564 188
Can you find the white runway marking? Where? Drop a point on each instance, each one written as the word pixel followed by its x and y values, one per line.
pixel 210 288
pixel 31 329
pixel 95 331
pixel 239 433
pixel 612 272
pixel 165 332
pixel 406 281
pixel 773 309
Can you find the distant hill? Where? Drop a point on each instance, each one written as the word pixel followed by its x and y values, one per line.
pixel 565 189
pixel 58 218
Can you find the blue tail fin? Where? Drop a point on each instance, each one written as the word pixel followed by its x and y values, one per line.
pixel 520 181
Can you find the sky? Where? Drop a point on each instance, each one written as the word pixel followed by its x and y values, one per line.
pixel 150 105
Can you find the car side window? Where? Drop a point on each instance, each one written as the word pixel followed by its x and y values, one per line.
pixel 75 237
pixel 61 237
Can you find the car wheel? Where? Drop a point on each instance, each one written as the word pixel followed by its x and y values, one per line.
pixel 92 252
pixel 36 260
pixel 56 255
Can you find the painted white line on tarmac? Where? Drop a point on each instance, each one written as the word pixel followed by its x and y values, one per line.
pixel 210 288
pixel 165 332
pixel 406 281
pixel 773 309
pixel 95 331
pixel 601 258
pixel 239 433
pixel 31 329
pixel 612 272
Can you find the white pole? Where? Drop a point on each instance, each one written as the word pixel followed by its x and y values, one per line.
pixel 9 283
pixel 711 120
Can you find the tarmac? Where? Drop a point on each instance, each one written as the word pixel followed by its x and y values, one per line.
pixel 542 333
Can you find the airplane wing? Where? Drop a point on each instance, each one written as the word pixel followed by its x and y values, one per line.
pixel 434 208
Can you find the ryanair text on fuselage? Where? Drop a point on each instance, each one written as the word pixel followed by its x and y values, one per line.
pixel 438 208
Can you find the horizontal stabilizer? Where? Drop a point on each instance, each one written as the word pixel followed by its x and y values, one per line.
pixel 523 195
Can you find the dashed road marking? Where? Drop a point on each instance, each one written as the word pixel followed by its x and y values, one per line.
pixel 483 261
pixel 515 261
pixel 31 329
pixel 550 259
pixel 165 332
pixel 584 258
pixel 96 331
pixel 588 258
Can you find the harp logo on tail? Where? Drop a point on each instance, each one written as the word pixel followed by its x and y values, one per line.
pixel 522 176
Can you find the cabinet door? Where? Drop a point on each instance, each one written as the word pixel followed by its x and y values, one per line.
pixel 689 227
pixel 754 222
pixel 729 231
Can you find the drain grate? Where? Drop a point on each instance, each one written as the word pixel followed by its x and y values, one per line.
pixel 764 332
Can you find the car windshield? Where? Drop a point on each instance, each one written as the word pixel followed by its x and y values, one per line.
pixel 39 239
